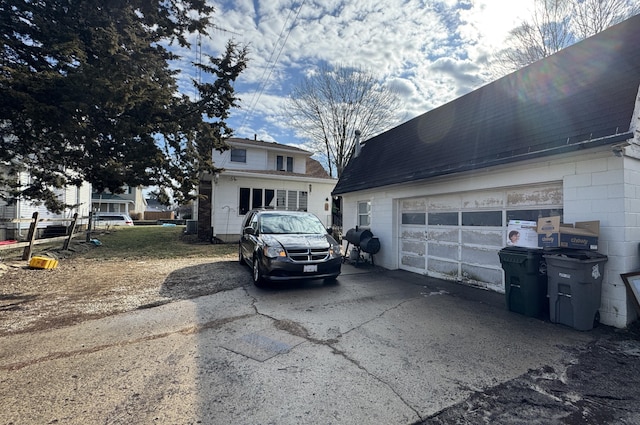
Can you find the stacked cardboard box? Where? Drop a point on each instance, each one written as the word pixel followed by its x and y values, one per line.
pixel 581 235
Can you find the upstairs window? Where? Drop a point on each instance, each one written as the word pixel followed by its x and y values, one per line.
pixel 239 155
pixel 281 161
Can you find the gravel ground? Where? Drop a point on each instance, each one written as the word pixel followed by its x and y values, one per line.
pixel 80 289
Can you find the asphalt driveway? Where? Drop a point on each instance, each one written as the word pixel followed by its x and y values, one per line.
pixel 377 347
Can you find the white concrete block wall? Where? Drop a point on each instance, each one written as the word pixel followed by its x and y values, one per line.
pixel 382 226
pixel 606 189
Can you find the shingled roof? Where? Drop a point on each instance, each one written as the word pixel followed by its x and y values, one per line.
pixel 580 97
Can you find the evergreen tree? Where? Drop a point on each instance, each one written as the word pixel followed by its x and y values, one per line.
pixel 90 92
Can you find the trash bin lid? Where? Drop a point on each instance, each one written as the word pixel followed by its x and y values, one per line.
pixel 576 255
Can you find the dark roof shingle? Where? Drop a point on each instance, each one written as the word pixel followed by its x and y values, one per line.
pixel 583 93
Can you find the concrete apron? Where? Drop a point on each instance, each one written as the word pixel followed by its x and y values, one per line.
pixel 386 347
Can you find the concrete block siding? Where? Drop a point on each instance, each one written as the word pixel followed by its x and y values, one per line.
pixel 596 186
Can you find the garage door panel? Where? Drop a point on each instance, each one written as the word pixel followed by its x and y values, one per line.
pixel 474 200
pixel 443 235
pixel 414 247
pixel 483 237
pixel 483 276
pixel 483 256
pixel 538 196
pixel 413 262
pixel 416 204
pixel 413 233
pixel 443 251
pixel 443 267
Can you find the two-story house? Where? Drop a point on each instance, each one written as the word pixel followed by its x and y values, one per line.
pixel 15 217
pixel 260 174
pixel 131 202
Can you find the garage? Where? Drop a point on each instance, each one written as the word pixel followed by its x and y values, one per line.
pixel 457 236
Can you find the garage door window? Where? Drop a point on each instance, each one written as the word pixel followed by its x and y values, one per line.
pixel 533 215
pixel 482 218
pixel 443 219
pixel 413 218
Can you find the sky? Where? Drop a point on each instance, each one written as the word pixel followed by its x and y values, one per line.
pixel 429 51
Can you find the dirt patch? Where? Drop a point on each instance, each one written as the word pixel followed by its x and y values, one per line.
pixel 599 384
pixel 80 289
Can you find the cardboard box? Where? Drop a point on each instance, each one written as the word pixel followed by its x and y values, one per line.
pixel 581 235
pixel 522 233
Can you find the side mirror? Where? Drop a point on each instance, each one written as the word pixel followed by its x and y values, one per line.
pixel 249 231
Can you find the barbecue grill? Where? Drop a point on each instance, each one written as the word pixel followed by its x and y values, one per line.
pixel 363 241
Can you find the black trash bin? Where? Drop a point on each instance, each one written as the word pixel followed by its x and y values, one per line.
pixel 575 287
pixel 525 283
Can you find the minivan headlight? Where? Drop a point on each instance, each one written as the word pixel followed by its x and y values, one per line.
pixel 334 251
pixel 274 251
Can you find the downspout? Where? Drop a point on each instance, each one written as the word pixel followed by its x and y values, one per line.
pixel 214 183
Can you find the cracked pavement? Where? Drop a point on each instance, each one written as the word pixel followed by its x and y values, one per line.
pixel 376 347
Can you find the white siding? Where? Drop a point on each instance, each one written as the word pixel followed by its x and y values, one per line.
pixel 226 219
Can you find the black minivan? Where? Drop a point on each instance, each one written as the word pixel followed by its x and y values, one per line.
pixel 286 245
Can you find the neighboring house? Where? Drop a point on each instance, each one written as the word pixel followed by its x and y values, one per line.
pixel 260 174
pixel 15 217
pixel 559 137
pixel 157 211
pixel 131 202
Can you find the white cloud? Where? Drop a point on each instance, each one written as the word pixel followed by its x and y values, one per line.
pixel 430 51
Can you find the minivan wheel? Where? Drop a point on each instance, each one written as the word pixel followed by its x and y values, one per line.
pixel 257 276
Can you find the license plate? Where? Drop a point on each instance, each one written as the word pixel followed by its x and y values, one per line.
pixel 310 268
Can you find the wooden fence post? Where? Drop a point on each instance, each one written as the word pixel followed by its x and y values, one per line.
pixel 70 231
pixel 31 236
pixel 89 226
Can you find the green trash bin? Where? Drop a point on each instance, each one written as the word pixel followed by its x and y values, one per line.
pixel 525 283
pixel 575 287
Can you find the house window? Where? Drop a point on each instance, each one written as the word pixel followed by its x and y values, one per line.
pixel 239 155
pixel 364 213
pixel 303 199
pixel 280 163
pixel 280 199
pixel 269 194
pixel 257 199
pixel 245 200
pixel 292 200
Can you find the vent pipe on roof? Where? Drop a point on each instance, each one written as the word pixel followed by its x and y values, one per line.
pixel 255 137
pixel 357 147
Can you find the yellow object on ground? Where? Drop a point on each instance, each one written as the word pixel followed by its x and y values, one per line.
pixel 43 263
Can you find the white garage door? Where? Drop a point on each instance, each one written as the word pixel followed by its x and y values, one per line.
pixel 458 236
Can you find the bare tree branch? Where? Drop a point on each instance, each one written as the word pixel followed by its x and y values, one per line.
pixel 556 24
pixel 328 107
